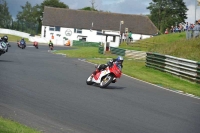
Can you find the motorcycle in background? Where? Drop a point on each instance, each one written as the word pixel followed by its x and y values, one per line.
pixel 105 77
pixel 21 44
pixel 35 44
pixel 51 46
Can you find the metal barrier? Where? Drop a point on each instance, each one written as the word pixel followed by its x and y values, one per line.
pixel 124 52
pixel 117 51
pixel 135 54
pixel 184 68
pixel 85 44
pixel 101 50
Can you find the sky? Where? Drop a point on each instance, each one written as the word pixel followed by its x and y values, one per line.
pixel 113 6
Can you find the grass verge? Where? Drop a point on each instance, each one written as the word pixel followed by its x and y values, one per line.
pixel 13 38
pixel 9 126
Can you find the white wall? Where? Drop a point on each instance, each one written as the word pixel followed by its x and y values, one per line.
pixel 91 36
pixel 14 32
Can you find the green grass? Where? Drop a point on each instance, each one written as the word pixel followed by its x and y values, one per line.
pixel 147 44
pixel 9 126
pixel 174 44
pixel 12 38
pixel 84 52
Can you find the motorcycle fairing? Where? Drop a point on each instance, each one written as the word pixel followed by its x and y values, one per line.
pixel 97 77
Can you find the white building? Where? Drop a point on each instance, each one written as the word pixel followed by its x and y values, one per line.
pixel 60 24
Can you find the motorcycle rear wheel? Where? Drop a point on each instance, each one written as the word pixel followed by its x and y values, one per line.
pixel 106 81
pixel 89 81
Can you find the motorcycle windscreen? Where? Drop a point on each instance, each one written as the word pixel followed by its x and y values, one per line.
pixel 22 42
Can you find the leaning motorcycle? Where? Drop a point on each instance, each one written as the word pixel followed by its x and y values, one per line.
pixel 5 39
pixel 3 47
pixel 105 77
pixel 8 44
pixel 21 44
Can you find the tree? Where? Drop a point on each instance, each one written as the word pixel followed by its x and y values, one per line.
pixel 5 17
pixel 93 2
pixel 165 13
pixel 27 19
pixel 28 13
pixel 88 9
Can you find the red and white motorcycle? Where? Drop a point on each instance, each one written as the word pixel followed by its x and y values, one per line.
pixel 105 77
pixel 35 44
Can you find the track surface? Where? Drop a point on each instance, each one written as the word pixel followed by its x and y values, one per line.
pixel 48 92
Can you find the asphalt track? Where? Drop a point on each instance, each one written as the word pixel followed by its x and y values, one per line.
pixel 48 92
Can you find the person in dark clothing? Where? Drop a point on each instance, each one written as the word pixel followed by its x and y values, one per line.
pixel 50 43
pixel 23 42
pixel 119 60
pixel 4 38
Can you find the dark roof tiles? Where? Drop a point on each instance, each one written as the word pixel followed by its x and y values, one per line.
pixel 82 19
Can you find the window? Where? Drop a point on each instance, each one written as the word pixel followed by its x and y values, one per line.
pixel 114 38
pixel 82 39
pixel 99 33
pixel 51 28
pixel 78 31
pixel 56 28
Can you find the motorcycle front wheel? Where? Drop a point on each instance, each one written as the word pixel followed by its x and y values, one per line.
pixel 89 80
pixel 106 81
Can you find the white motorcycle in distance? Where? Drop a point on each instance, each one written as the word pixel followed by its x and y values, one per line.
pixel 3 47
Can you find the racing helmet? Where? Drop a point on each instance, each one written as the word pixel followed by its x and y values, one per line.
pixel 5 37
pixel 120 59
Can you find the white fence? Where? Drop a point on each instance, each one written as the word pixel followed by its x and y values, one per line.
pixel 14 32
pixel 24 35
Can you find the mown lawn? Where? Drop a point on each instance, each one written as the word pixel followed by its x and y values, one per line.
pixel 174 44
pixel 12 38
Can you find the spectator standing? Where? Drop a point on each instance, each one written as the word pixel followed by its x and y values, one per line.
pixel 186 27
pixel 172 29
pixel 130 36
pixel 196 30
pixel 123 37
pixel 177 29
pixel 126 36
pixel 166 31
